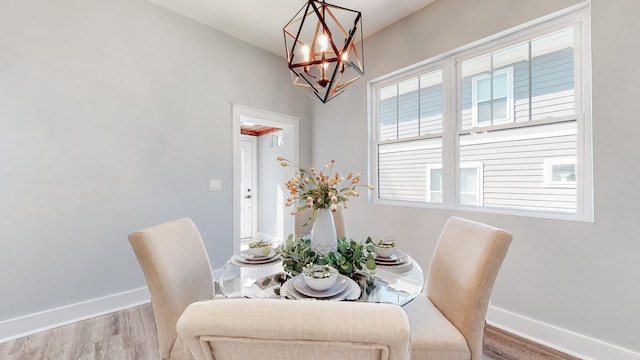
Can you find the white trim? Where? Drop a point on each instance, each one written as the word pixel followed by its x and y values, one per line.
pixel 555 337
pixel 29 324
pixel 549 335
pixel 290 125
pixel 21 326
pixel 479 166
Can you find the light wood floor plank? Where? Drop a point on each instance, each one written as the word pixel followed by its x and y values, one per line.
pixel 130 334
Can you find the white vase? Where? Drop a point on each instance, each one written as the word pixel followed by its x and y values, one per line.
pixel 323 233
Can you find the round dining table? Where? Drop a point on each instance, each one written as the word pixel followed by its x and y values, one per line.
pixel 396 283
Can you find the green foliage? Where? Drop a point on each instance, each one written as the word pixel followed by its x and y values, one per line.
pixel 259 243
pixel 350 258
pixel 296 253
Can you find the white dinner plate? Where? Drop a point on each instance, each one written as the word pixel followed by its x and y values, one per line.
pixel 398 257
pixel 241 261
pixel 399 267
pixel 295 294
pixel 335 289
pixel 249 256
pixel 351 292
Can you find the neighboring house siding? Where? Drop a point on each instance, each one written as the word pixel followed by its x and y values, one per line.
pixel 514 169
pixel 402 169
pixel 552 74
pixel 431 110
pixel 388 118
pixel 551 88
pixel 418 115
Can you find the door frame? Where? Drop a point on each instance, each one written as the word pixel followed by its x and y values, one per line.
pixel 290 126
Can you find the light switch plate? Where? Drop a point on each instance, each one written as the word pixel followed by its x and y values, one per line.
pixel 215 184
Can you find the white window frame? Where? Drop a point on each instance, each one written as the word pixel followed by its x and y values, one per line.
pixel 474 97
pixel 479 166
pixel 576 16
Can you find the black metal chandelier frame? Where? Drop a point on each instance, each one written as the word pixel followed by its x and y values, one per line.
pixel 320 67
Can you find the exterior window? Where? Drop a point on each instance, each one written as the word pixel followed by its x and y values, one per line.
pixel 409 136
pixel 470 184
pixel 560 172
pixel 518 139
pixel 492 97
pixel 434 183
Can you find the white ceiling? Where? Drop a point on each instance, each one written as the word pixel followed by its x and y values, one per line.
pixel 260 22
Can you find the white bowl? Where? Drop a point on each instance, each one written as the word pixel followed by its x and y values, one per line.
pixel 384 251
pixel 261 251
pixel 321 284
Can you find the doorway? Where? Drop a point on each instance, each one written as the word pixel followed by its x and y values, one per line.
pixel 268 215
pixel 260 145
pixel 248 185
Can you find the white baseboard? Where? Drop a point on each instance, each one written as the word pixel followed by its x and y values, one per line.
pixel 32 323
pixel 549 335
pixel 567 341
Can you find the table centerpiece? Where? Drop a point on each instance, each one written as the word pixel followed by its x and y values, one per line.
pixel 351 258
pixel 323 191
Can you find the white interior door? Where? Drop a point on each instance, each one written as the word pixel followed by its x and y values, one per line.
pixel 289 124
pixel 247 188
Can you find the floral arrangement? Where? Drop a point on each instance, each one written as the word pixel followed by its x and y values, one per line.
pixel 320 189
pixel 350 258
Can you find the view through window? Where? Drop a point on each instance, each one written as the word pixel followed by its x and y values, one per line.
pixel 520 126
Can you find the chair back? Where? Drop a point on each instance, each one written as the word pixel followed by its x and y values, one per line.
pixel 249 329
pixel 304 222
pixel 463 270
pixel 177 271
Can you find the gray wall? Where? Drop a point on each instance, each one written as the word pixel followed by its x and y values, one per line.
pixel 114 115
pixel 578 276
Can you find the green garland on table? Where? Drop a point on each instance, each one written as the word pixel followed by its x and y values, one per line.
pixel 351 257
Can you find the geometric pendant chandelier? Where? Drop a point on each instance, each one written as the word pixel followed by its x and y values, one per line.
pixel 324 48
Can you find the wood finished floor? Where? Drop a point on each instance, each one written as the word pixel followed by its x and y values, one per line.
pixel 130 334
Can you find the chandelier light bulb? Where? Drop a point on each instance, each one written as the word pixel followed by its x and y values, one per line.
pixel 305 50
pixel 323 42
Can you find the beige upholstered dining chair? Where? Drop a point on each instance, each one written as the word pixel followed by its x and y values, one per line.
pixel 303 216
pixel 177 270
pixel 249 329
pixel 448 322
